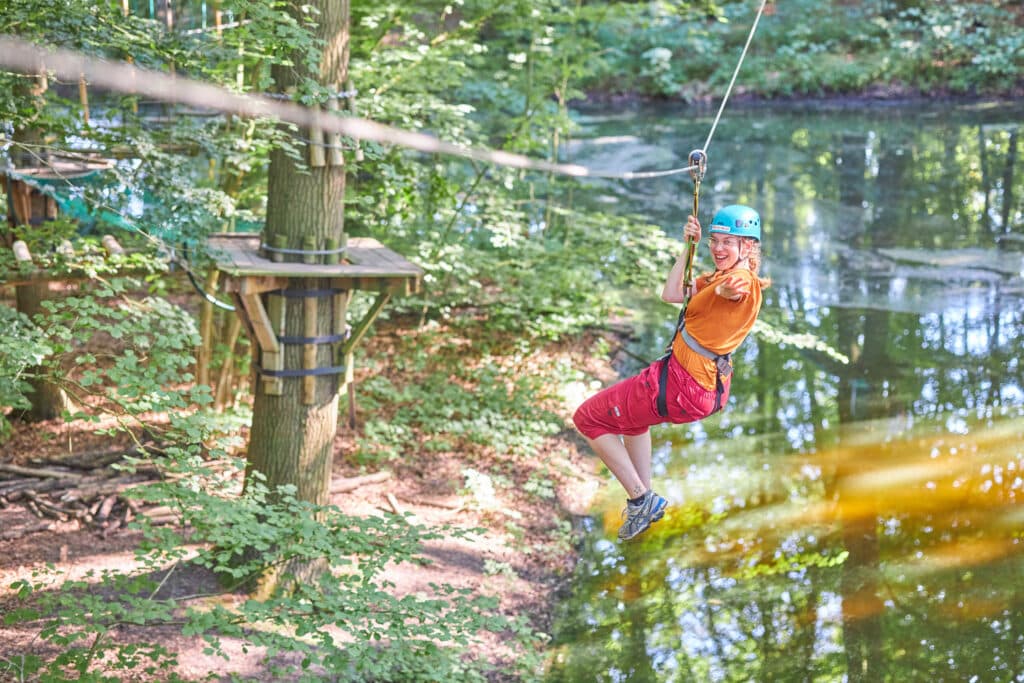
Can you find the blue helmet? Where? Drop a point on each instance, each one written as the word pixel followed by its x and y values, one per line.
pixel 737 220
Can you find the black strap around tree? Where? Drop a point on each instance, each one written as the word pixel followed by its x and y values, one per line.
pixel 323 339
pixel 310 372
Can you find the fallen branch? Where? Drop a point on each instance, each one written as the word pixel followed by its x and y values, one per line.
pixel 26 530
pixel 105 507
pixel 393 503
pixel 91 460
pixel 351 484
pixel 42 472
pixel 100 487
pixel 12 490
pixel 433 502
pixel 47 508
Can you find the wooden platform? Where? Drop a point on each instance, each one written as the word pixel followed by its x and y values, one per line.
pixel 368 264
pixel 61 168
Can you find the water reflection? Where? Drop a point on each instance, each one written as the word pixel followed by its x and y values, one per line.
pixel 855 520
pixel 896 553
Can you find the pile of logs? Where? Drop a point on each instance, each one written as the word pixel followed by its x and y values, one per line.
pixel 82 488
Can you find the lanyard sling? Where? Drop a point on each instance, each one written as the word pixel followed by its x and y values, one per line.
pixel 698 165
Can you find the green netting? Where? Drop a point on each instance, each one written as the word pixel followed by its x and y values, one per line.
pixel 67 191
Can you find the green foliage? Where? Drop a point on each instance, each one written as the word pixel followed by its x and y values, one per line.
pixel 25 346
pixel 108 349
pixel 967 47
pixel 348 626
pixel 806 47
pixel 786 562
pixel 776 336
pixel 90 260
pixel 540 486
pixel 489 405
pixel 131 354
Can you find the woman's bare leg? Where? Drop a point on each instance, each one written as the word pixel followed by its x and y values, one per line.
pixel 639 449
pixel 616 457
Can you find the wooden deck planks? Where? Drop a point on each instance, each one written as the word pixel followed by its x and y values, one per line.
pixel 238 255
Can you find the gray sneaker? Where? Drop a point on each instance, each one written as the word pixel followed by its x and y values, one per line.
pixel 642 515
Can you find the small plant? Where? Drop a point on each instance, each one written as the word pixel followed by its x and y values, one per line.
pixel 25 347
pixel 539 485
pixel 657 69
pixel 481 486
pixel 496 568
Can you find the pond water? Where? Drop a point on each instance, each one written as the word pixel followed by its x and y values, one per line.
pixel 856 511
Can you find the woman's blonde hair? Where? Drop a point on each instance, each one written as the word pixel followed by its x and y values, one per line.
pixel 754 260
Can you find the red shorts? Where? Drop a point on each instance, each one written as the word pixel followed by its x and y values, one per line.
pixel 631 406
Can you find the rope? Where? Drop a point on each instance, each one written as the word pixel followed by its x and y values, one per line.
pixel 121 77
pixel 735 73
pixel 127 78
pixel 635 175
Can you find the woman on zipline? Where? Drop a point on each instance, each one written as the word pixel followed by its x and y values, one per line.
pixel 692 381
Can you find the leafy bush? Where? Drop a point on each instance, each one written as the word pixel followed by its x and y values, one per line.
pixel 806 47
pixel 491 404
pixel 968 47
pixel 131 355
pixel 25 346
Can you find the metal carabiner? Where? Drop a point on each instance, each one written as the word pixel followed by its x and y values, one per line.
pixel 698 162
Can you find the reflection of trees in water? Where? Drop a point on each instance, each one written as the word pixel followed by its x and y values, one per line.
pixel 873 427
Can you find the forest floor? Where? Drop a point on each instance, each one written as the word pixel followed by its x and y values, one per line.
pixel 525 557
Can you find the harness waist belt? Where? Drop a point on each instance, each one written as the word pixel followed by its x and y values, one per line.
pixel 722 367
pixel 721 360
pixel 695 345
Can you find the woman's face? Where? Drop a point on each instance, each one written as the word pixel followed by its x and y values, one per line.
pixel 726 251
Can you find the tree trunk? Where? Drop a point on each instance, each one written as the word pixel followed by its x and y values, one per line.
pixel 48 400
pixel 1008 172
pixel 292 439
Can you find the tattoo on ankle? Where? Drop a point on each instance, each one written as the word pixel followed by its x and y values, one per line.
pixel 637 491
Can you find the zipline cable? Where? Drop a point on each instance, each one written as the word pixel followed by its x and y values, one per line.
pixel 27 57
pixel 735 73
pixel 127 78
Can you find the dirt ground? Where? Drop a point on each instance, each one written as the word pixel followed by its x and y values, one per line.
pixel 526 582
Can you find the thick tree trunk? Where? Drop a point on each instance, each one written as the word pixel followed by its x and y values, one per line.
pixel 292 439
pixel 48 400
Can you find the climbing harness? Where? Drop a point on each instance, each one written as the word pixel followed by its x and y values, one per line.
pixel 723 367
pixel 698 164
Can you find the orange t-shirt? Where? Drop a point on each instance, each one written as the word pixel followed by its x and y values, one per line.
pixel 716 323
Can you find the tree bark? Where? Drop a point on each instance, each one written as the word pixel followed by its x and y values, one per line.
pixel 291 440
pixel 48 400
